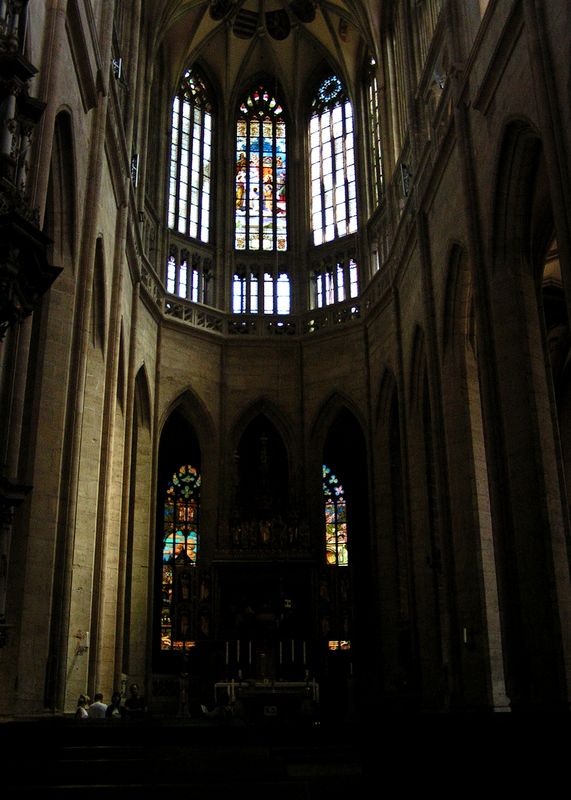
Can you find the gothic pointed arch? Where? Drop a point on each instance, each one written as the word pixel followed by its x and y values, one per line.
pixel 263 406
pixel 333 180
pixel 178 547
pixel 417 368
pixel 193 409
pixel 524 224
pixel 329 409
pixel 467 450
pixel 143 397
pixel 398 648
pixel 341 518
pixel 191 157
pixel 387 388
pixel 263 507
pixel 261 168
pixel 518 155
pixel 456 307
pixel 98 298
pixel 121 370
pixel 132 618
pixel 61 211
pixel 60 225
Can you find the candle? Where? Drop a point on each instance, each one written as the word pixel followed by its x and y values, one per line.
pixel 238 651
pixel 226 653
pixel 292 651
pixel 249 652
pixel 304 660
pixel 280 652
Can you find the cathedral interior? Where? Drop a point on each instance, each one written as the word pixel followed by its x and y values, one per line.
pixel 285 371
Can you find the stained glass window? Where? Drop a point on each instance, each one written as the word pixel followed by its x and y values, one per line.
pixel 332 163
pixel 191 158
pixel 336 552
pixel 260 186
pixel 179 555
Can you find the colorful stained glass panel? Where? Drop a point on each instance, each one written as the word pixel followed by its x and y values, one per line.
pixel 260 184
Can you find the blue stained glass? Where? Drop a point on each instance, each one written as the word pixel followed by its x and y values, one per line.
pixel 180 541
pixel 260 172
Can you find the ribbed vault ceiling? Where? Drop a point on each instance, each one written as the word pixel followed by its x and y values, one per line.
pixel 236 39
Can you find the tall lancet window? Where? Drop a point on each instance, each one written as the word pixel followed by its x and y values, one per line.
pixel 191 158
pixel 373 103
pixel 336 552
pixel 179 555
pixel 260 186
pixel 332 160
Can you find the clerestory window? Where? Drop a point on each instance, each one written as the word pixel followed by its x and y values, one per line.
pixel 271 295
pixel 190 185
pixel 260 183
pixel 374 118
pixel 335 284
pixel 332 163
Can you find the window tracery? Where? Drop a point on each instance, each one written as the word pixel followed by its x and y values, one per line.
pixel 336 542
pixel 179 557
pixel 332 163
pixel 260 183
pixel 191 158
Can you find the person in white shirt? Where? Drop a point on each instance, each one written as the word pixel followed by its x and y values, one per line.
pixel 98 708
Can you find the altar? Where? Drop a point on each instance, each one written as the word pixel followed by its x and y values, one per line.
pixel 284 701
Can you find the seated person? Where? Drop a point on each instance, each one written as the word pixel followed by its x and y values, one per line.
pixel 115 710
pixel 135 706
pixel 98 708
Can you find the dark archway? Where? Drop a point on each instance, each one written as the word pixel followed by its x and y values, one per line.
pixel 346 619
pixel 178 622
